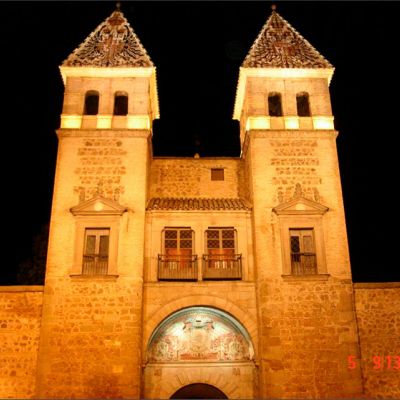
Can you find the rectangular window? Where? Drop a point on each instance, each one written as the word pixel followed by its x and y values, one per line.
pixel 217 174
pixel 178 261
pixel 221 260
pixel 96 251
pixel 302 251
pixel 178 247
pixel 221 242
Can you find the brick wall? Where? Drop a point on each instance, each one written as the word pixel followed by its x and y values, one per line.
pixel 20 312
pixel 378 316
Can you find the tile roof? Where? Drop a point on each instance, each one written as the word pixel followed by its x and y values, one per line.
pixel 170 203
pixel 112 44
pixel 279 45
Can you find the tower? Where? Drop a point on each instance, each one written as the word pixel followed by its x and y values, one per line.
pixel 91 323
pixel 307 324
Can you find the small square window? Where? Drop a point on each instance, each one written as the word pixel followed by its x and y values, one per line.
pixel 217 174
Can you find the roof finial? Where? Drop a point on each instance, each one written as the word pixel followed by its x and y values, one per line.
pixel 118 5
pixel 273 7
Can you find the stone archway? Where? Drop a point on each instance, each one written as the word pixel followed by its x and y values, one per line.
pixel 199 345
pixel 199 391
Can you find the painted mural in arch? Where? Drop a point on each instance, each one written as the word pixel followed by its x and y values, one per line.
pixel 200 334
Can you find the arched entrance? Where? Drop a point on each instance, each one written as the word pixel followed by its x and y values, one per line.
pixel 199 391
pixel 199 352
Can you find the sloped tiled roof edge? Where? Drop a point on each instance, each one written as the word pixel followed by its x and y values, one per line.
pixel 279 45
pixel 112 44
pixel 172 203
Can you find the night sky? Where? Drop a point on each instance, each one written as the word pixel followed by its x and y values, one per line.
pixel 197 48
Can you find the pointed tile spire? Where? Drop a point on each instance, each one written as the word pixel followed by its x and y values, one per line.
pixel 112 44
pixel 279 45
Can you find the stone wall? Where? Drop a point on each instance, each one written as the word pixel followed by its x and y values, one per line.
pixel 378 316
pixel 307 331
pixel 20 312
pixel 90 346
pixel 191 177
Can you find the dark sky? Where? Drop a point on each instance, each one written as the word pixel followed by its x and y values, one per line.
pixel 197 48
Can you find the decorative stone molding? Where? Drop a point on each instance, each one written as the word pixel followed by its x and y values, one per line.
pixel 301 213
pixel 97 212
pixel 300 206
pixel 98 205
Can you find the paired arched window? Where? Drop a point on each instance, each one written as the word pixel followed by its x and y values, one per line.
pixel 121 103
pixel 275 104
pixel 303 104
pixel 91 103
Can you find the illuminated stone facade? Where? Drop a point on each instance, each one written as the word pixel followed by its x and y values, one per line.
pixel 168 272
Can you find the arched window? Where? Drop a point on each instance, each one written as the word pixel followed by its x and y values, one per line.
pixel 303 104
pixel 121 103
pixel 275 104
pixel 91 103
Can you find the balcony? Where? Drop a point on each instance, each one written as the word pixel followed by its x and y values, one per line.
pixel 222 266
pixel 177 268
pixel 304 263
pixel 95 264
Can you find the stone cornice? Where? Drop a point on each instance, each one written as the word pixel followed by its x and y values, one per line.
pixel 284 134
pixel 106 133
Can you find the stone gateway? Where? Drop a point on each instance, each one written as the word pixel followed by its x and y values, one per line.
pixel 198 277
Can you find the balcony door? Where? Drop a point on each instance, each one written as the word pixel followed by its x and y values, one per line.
pixel 302 249
pixel 220 247
pixel 178 246
pixel 177 261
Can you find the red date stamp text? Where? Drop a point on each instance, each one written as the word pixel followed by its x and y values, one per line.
pixel 379 362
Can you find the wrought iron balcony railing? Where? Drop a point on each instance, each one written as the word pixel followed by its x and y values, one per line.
pixel 177 268
pixel 95 264
pixel 304 263
pixel 222 266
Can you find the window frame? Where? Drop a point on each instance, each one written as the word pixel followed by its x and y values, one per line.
pixel 96 213
pixel 220 238
pixel 98 234
pixel 177 228
pixel 301 233
pixel 105 222
pixel 301 222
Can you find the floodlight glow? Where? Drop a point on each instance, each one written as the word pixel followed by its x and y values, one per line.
pixel 258 123
pixel 292 122
pixel 323 122
pixel 71 121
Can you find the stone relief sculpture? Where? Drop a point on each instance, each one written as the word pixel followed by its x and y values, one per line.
pixel 199 336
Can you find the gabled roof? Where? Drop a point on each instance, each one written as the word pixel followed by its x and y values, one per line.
pixel 279 45
pixel 300 205
pixel 170 203
pixel 98 205
pixel 112 44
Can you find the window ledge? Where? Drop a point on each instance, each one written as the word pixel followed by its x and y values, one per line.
pixel 85 278
pixel 313 277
